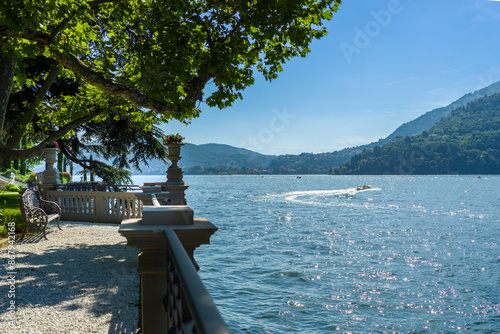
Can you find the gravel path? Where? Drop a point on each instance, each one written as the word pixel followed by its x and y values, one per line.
pixel 82 280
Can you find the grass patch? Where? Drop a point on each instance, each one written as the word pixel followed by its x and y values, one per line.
pixel 10 212
pixel 10 200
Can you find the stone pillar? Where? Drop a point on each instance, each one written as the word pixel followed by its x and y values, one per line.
pixel 175 185
pixel 146 234
pixel 50 176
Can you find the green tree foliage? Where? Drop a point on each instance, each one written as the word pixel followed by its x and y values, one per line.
pixel 309 163
pixel 112 138
pixel 465 142
pixel 144 60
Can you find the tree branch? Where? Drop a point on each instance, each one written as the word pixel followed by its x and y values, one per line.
pixel 31 112
pixel 72 125
pixel 109 174
pixel 110 87
pixel 30 35
pixel 16 154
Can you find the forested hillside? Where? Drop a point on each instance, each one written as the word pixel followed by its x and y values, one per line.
pixel 465 142
pixel 212 159
pixel 323 162
pixel 309 163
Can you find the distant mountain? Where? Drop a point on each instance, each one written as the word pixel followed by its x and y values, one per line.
pixel 200 158
pixel 227 149
pixel 324 162
pixel 467 141
pixel 429 119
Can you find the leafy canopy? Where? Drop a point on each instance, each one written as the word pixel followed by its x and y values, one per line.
pixel 149 59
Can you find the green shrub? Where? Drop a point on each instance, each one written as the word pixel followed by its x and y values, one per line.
pixel 3 231
pixel 11 216
pixel 13 187
pixel 10 212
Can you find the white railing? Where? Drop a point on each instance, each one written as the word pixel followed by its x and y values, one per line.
pixel 96 206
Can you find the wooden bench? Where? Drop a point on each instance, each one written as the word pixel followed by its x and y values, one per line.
pixel 38 212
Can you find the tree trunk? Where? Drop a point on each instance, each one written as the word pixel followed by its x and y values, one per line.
pixel 22 169
pixel 7 65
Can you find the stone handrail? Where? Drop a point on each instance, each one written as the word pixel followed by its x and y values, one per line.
pixel 94 186
pixel 96 206
pixel 189 307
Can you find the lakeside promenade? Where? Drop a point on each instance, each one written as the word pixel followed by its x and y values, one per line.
pixel 83 279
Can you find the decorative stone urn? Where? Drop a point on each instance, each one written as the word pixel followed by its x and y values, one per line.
pixel 50 176
pixel 175 185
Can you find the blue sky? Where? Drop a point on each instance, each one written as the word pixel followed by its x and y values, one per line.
pixel 383 63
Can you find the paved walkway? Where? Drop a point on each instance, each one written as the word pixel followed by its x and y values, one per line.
pixel 82 280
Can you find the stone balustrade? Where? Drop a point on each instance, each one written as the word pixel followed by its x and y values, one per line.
pixel 96 206
pixel 167 236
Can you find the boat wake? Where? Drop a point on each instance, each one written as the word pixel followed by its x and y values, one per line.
pixel 319 197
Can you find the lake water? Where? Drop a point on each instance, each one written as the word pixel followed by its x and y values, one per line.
pixel 414 254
